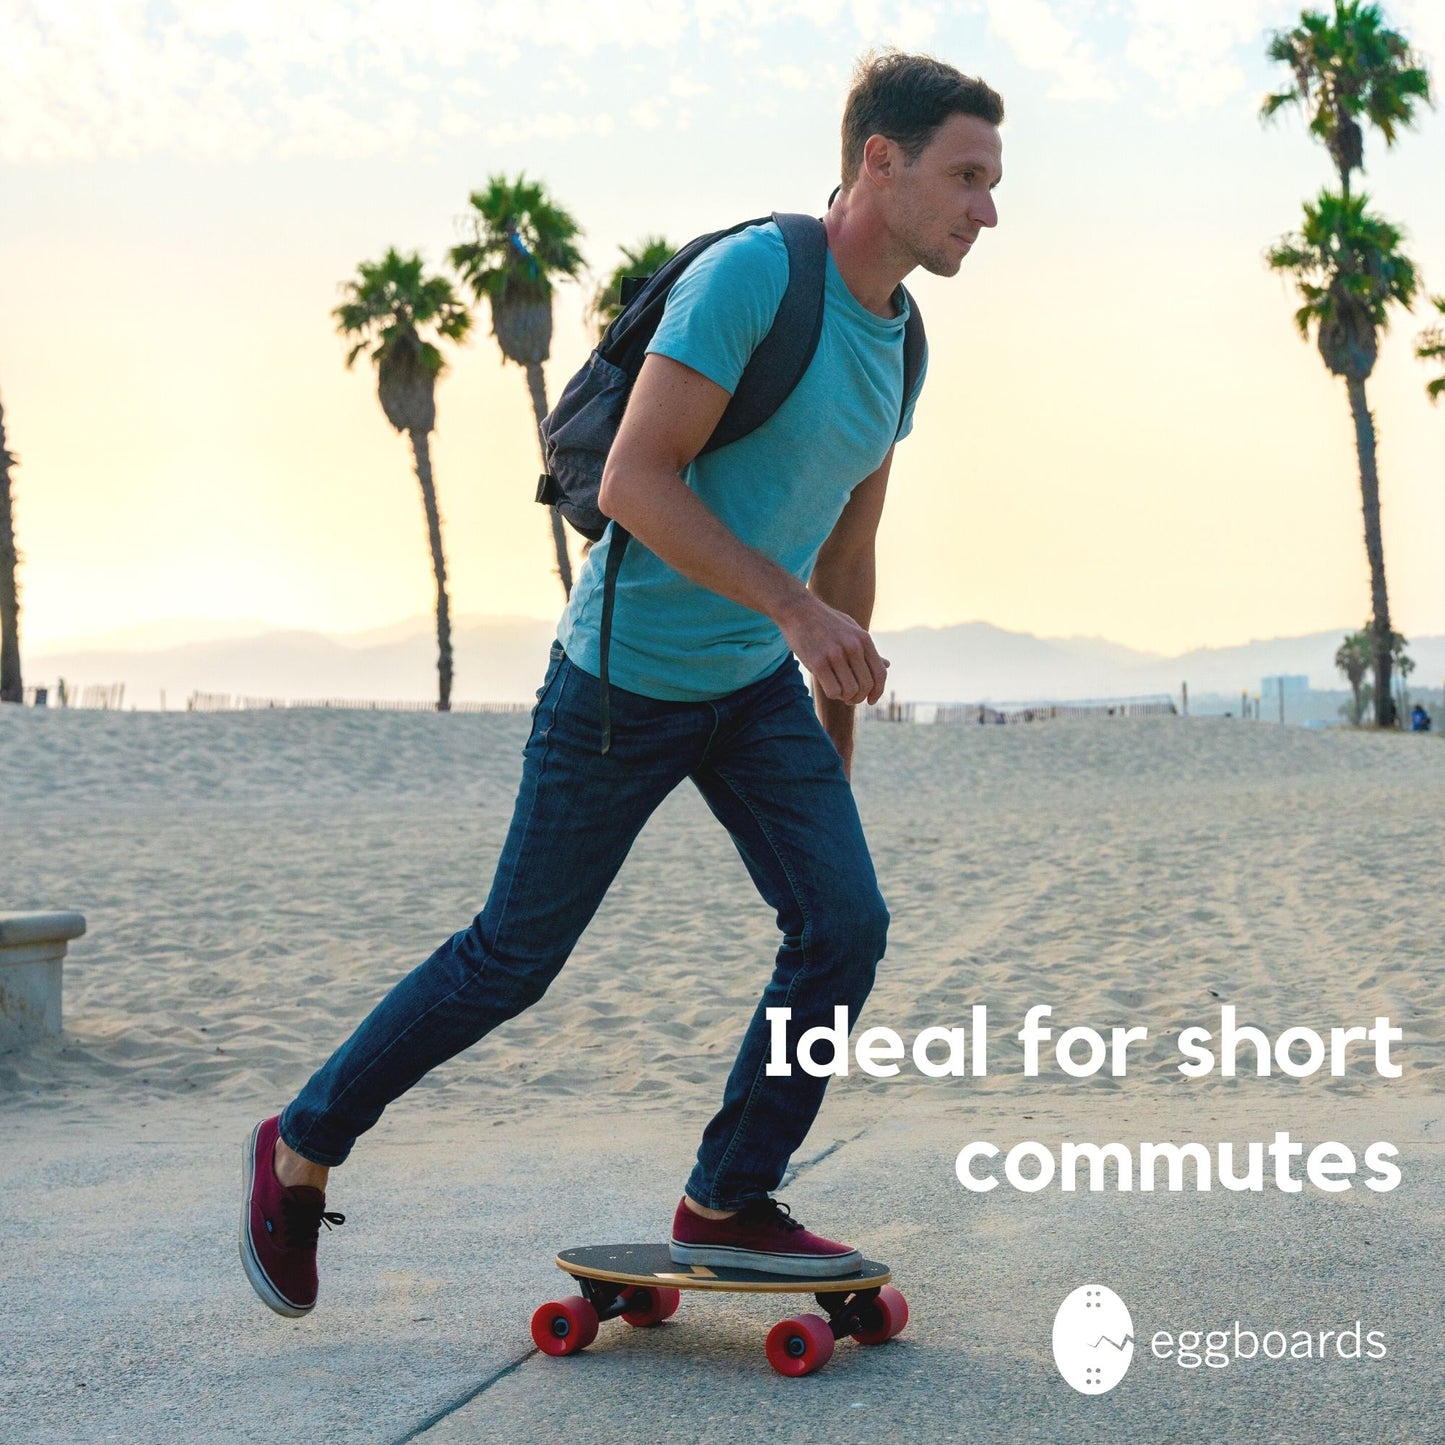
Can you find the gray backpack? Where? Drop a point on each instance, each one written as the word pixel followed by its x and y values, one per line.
pixel 578 432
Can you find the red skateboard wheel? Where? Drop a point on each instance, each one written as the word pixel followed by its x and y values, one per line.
pixel 564 1326
pixel 883 1317
pixel 656 1303
pixel 800 1345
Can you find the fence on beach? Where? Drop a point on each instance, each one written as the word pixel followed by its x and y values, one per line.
pixel 111 697
pixel 105 696
pixel 228 702
pixel 980 712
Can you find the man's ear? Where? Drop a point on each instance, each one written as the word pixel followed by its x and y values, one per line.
pixel 881 159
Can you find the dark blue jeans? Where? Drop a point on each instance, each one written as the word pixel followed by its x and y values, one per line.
pixel 766 768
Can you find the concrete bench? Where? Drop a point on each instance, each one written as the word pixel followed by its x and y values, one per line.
pixel 32 948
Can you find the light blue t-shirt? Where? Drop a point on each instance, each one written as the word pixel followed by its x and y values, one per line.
pixel 780 490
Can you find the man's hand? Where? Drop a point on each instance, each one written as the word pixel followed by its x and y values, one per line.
pixel 837 650
pixel 836 630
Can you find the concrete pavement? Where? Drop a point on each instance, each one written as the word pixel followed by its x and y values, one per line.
pixel 124 1314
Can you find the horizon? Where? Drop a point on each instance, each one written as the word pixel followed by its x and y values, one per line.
pixel 963 663
pixel 161 634
pixel 1122 437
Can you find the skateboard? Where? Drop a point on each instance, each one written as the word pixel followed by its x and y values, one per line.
pixel 641 1284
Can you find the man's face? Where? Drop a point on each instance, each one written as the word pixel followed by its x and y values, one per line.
pixel 945 198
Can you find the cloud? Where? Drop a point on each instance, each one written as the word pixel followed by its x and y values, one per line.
pixel 554 126
pixel 85 78
pixel 686 86
pixel 1043 39
pixel 645 115
pixel 1195 53
pixel 80 79
pixel 792 77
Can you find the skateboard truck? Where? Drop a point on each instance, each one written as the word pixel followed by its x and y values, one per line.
pixel 848 1309
pixel 629 1301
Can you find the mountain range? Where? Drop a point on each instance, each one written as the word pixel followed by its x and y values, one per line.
pixel 501 659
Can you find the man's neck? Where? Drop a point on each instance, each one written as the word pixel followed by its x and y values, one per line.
pixel 865 255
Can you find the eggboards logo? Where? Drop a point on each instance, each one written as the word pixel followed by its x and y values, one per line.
pixel 1093 1339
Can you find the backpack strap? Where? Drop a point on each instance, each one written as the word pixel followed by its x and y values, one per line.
pixel 915 347
pixel 785 353
pixel 616 546
pixel 772 371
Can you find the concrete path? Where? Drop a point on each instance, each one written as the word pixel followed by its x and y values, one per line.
pixel 124 1314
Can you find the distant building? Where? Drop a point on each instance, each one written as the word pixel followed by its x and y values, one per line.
pixel 1284 698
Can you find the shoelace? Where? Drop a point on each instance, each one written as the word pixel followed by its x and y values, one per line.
pixel 303 1222
pixel 773 1212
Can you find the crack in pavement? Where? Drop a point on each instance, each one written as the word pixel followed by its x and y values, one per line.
pixel 466 1399
pixel 793 1171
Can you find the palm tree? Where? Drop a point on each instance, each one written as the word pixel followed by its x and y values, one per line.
pixel 12 688
pixel 1346 67
pixel 389 307
pixel 1430 346
pixel 1349 269
pixel 520 240
pixel 1352 657
pixel 648 256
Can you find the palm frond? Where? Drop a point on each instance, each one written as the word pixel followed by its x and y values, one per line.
pixel 1348 268
pixel 1430 346
pixel 1347 67
pixel 390 303
pixel 519 242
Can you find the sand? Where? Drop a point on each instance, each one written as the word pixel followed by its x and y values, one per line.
pixel 253 882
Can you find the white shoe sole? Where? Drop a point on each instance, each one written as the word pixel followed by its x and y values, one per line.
pixel 799 1266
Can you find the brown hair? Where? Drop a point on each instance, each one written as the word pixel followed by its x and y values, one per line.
pixel 907 98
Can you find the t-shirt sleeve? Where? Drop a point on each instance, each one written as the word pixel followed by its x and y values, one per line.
pixel 907 425
pixel 722 306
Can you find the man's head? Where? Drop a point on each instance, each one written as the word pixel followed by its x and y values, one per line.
pixel 923 137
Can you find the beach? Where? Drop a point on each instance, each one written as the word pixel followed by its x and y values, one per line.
pixel 253 882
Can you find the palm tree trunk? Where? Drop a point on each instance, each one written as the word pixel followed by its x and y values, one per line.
pixel 421 450
pixel 538 388
pixel 11 687
pixel 1374 550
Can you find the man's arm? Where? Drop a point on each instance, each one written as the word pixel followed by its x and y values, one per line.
pixel 844 578
pixel 670 415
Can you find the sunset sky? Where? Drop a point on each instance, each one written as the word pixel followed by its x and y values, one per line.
pixel 1122 433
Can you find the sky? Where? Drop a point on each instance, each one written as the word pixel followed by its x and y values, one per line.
pixel 1122 433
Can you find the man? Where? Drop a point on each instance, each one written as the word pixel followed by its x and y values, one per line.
pixel 744 563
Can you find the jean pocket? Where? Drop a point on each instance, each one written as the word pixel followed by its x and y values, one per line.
pixel 557 658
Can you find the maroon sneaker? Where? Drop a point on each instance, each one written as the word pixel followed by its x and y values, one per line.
pixel 762 1235
pixel 279 1228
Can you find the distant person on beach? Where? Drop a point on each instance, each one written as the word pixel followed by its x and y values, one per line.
pixel 1419 719
pixel 745 563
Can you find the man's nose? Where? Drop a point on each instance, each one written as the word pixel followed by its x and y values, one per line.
pixel 985 212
